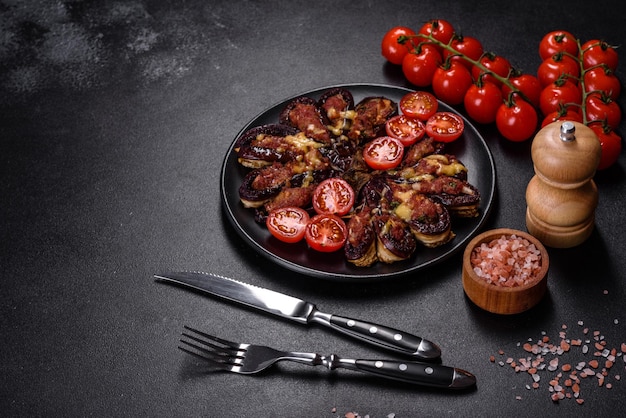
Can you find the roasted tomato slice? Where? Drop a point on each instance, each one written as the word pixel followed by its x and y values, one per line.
pixel 383 153
pixel 333 195
pixel 444 126
pixel 326 233
pixel 419 105
pixel 407 130
pixel 288 224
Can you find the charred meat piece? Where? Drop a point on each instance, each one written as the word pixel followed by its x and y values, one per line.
pixel 360 247
pixel 337 105
pixel 428 220
pixel 291 196
pixel 434 165
pixel 266 144
pixel 458 196
pixel 261 184
pixel 395 242
pixel 370 117
pixel 304 114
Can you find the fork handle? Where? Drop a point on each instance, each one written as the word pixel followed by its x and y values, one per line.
pixel 380 335
pixel 425 374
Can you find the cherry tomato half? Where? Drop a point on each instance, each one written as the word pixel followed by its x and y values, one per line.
pixel 383 153
pixel 288 224
pixel 516 121
pixel 393 51
pixel 611 144
pixel 419 105
pixel 326 233
pixel 445 126
pixel 407 130
pixel 333 195
pixel 557 41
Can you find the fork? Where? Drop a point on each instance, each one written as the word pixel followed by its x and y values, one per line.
pixel 249 359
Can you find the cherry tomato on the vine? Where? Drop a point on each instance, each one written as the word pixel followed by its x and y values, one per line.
pixel 326 233
pixel 610 142
pixel 482 102
pixel 333 195
pixel 602 108
pixel 558 94
pixel 419 66
pixel 407 130
pixel 440 29
pixel 558 41
pixel 528 84
pixel 597 52
pixel 466 45
pixel 419 105
pixel 566 113
pixel 496 64
pixel 602 80
pixel 451 82
pixel 445 126
pixel 516 120
pixel 556 66
pixel 383 153
pixel 393 51
pixel 288 224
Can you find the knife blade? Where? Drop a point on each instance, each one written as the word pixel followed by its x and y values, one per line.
pixel 304 312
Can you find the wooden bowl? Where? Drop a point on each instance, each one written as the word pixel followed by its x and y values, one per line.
pixel 497 298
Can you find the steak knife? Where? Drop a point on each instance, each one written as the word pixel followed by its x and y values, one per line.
pixel 304 312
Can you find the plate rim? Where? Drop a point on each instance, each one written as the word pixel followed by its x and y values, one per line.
pixel 316 273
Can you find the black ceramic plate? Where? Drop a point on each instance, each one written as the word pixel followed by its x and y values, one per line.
pixel 471 149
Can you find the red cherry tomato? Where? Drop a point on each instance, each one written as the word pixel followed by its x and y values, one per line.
pixel 418 67
pixel 602 80
pixel 392 50
pixel 602 108
pixel 440 29
pixel 383 153
pixel 611 144
pixel 445 126
pixel 558 41
pixel 482 102
pixel 528 84
pixel 596 52
pixel 517 120
pixel 407 130
pixel 450 83
pixel 466 45
pixel 333 195
pixel 556 66
pixel 326 233
pixel 494 64
pixel 562 115
pixel 419 105
pixel 558 94
pixel 288 224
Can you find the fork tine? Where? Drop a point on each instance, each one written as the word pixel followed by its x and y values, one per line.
pixel 213 338
pixel 220 353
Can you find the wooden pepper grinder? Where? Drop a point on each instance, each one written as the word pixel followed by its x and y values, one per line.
pixel 562 197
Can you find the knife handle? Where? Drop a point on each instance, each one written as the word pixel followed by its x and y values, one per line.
pixel 380 335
